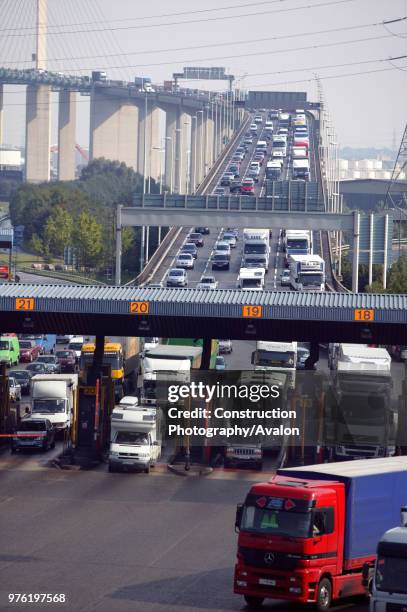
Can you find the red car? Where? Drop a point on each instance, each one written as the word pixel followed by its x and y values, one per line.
pixel 247 186
pixel 67 360
pixel 29 351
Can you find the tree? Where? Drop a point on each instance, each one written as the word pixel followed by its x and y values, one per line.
pixel 398 276
pixel 87 238
pixel 36 244
pixel 58 230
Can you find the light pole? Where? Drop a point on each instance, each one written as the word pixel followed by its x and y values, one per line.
pixel 188 172
pixel 193 185
pixel 201 157
pixel 162 151
pixel 143 229
pixel 169 138
pixel 178 155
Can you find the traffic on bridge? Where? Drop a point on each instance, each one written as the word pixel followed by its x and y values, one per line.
pixel 203 346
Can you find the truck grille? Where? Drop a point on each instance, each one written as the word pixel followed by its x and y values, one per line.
pixel 128 455
pixel 361 451
pixel 395 607
pixel 257 558
pixel 243 451
pixel 361 438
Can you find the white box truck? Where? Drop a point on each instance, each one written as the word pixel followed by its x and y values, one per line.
pixel 301 169
pixel 154 369
pixel 364 415
pixel 307 273
pixel 55 397
pixel 135 437
pixel 256 248
pixel 278 356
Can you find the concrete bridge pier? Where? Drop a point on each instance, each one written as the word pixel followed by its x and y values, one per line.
pixel 38 133
pixel 181 148
pixel 170 127
pixel 1 114
pixel 113 129
pixel 66 135
pixel 149 149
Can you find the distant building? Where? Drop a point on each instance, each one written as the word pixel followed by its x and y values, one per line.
pixel 11 163
pixel 366 194
pixel 381 169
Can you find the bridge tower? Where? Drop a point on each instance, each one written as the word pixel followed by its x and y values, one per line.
pixel 38 110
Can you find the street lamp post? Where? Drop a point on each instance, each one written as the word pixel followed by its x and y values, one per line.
pixel 169 138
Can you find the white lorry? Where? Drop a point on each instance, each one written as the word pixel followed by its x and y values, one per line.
pixel 251 278
pixel 364 415
pixel 256 248
pixel 135 437
pixel 307 273
pixel 301 169
pixel 389 590
pixel 278 356
pixel 55 397
pixel 296 242
pixel 154 369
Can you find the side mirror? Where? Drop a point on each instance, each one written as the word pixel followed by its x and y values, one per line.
pixel 239 514
pixel 365 574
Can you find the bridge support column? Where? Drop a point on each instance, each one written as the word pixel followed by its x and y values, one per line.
pixel 170 127
pixel 209 143
pixel 149 149
pixel 38 133
pixel 200 146
pixel 113 129
pixel 355 261
pixel 154 166
pixel 194 151
pixel 1 114
pixel 181 155
pixel 66 135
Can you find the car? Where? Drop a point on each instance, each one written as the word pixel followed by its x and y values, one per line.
pixel 241 151
pixel 185 260
pixel 155 286
pixel 302 356
pixel 129 401
pixel 63 338
pixel 226 179
pixel 75 344
pixel 237 160
pixel 150 342
pixel 248 140
pixel 66 359
pixel 29 350
pixel 202 230
pixel 282 131
pixel 285 278
pixel 42 434
pixel 235 170
pixel 248 185
pixel 258 119
pixel 220 363
pixel 196 238
pixel 235 186
pixel 234 231
pixel 219 191
pixel 14 389
pixel 254 174
pixel 238 156
pixel 253 128
pixel 51 362
pixel 229 238
pixel 259 158
pixel 207 282
pixel 223 247
pixel 23 377
pixel 220 261
pixel 37 368
pixel 190 247
pixel 225 346
pixel 177 277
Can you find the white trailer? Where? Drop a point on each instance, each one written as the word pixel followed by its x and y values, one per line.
pixel 256 248
pixel 277 356
pixel 55 397
pixel 365 418
pixel 135 437
pixel 154 370
pixel 301 169
pixel 251 278
pixel 307 273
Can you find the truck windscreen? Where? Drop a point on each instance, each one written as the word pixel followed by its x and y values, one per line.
pixel 132 438
pixel 275 359
pixel 297 243
pixel 310 279
pixel 277 522
pixel 391 574
pixel 48 406
pixel 362 410
pixel 112 359
pixel 255 248
pixel 251 282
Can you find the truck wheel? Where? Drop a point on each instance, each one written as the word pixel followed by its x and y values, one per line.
pixel 111 468
pixel 147 470
pixel 324 595
pixel 253 602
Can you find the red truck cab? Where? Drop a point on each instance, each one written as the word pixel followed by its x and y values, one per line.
pixel 307 534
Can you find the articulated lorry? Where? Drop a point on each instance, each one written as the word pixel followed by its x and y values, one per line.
pixel 363 418
pixel 297 242
pixel 306 534
pixel 256 248
pixel 122 354
pixel 55 397
pixel 307 273
pixel 389 586
pixel 136 434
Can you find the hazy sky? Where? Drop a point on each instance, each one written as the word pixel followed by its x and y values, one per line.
pixel 267 44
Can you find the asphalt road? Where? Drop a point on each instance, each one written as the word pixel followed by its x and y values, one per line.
pixel 122 542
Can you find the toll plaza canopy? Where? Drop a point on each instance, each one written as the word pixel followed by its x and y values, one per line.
pixel 224 313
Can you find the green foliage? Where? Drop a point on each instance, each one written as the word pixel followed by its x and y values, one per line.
pixel 58 230
pixel 87 238
pixel 36 244
pixel 398 276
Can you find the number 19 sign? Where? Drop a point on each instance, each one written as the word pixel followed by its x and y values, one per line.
pixel 252 312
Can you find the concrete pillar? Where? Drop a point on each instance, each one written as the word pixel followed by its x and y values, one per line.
pixel 170 127
pixel 41 35
pixel 1 114
pixel 194 153
pixel 113 129
pixel 38 133
pixel 200 147
pixel 154 166
pixel 183 126
pixel 66 135
pixel 209 142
